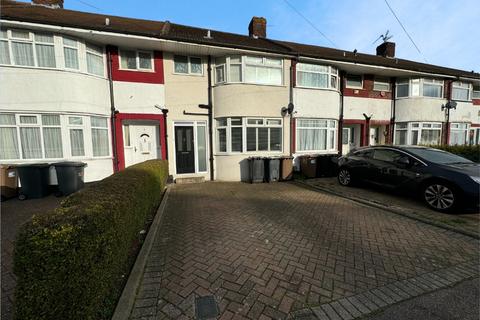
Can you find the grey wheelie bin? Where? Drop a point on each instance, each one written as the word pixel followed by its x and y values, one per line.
pixel 34 180
pixel 70 177
pixel 256 169
pixel 272 169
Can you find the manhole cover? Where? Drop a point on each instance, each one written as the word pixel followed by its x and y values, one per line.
pixel 206 308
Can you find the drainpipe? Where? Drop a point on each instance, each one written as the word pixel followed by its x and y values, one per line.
pixel 340 116
pixel 366 136
pixel 165 131
pixel 293 80
pixel 113 112
pixel 448 106
pixel 391 130
pixel 210 115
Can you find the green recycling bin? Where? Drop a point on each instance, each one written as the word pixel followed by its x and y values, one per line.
pixel 34 180
pixel 70 177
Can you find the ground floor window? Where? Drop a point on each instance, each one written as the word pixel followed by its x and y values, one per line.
pixel 418 133
pixel 52 136
pixel 474 136
pixel 316 134
pixel 238 135
pixel 458 134
pixel 190 146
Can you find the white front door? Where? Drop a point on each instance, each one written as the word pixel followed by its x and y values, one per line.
pixel 373 136
pixel 347 139
pixel 141 143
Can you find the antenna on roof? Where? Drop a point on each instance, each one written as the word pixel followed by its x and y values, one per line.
pixel 208 36
pixel 385 37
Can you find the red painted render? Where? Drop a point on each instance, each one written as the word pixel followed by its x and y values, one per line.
pixel 134 75
pixel 367 90
pixel 119 117
pixel 476 102
pixel 293 128
pixel 364 127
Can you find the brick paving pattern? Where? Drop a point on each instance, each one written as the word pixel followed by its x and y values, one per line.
pixel 267 250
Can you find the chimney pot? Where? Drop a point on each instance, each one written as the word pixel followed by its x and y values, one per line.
pixel 386 49
pixel 258 27
pixel 49 3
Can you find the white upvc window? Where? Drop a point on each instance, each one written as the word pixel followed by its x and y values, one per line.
pixel 240 135
pixel 418 87
pixel 70 52
pixel 45 50
pixel 95 63
pixel 461 91
pixel 21 43
pixel 316 76
pixel 4 47
pixel 136 60
pixel 77 139
pixel 220 70
pixel 381 84
pixel 100 145
pixel 458 133
pixel 354 81
pixel 9 147
pixel 476 92
pixel 315 135
pixel 418 133
pixel 187 65
pixel 249 69
pixel 52 136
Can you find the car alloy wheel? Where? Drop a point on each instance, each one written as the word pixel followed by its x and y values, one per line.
pixel 344 177
pixel 439 197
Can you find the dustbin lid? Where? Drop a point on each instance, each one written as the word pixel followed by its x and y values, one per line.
pixel 7 166
pixel 69 164
pixel 36 165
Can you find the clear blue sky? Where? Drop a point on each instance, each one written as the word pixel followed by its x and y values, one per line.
pixel 446 31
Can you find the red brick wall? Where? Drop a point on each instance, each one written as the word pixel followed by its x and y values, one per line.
pixel 367 90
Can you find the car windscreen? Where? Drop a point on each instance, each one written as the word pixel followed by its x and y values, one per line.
pixel 437 156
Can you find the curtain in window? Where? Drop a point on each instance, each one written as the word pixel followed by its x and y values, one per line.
pixel 430 137
pixel 100 142
pixel 401 137
pixel 262 139
pixel 95 64
pixel 23 53
pixel 202 148
pixel 275 139
pixel 237 143
pixel 235 73
pixel 432 90
pixel 312 139
pixel 128 59
pixel 9 143
pixel 50 120
pixel 309 79
pixel 222 140
pixel 45 55
pixel 31 143
pixel 458 137
pixel 4 53
pixel 460 94
pixel 71 58
pixel 52 141
pixel 263 75
pixel 76 142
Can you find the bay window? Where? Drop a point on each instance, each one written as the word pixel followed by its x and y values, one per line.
pixel 45 50
pixel 95 60
pixel 136 60
pixel 418 133
pixel 52 136
pixel 30 137
pixel 22 48
pixel 187 65
pixel 458 134
pixel 238 134
pixel 316 76
pixel 316 134
pixel 70 51
pixel 249 69
pixel 9 148
pixel 77 142
pixel 418 87
pixel 99 127
pixel 4 50
pixel 461 91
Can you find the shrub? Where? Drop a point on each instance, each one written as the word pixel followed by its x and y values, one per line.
pixel 470 152
pixel 70 263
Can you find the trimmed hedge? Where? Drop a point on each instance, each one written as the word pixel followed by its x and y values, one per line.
pixel 71 263
pixel 470 152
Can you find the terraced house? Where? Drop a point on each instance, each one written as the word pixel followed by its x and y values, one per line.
pixel 114 91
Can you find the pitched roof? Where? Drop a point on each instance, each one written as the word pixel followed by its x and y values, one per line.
pixel 26 12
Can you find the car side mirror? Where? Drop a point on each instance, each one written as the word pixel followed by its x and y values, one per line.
pixel 403 161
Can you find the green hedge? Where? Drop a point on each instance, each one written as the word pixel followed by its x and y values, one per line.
pixel 70 264
pixel 470 152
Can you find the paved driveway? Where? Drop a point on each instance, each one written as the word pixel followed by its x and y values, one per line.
pixel 266 250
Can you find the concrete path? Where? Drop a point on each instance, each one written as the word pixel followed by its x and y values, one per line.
pixel 272 251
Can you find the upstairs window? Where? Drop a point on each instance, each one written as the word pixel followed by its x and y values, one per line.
pixel 4 51
pixel 403 89
pixel 461 91
pixel 136 60
pixel 354 81
pixel 220 64
pixel 95 59
pixel 249 69
pixel 476 92
pixel 317 76
pixel 188 65
pixel 45 50
pixel 22 48
pixel 418 87
pixel 381 84
pixel 432 88
pixel 70 51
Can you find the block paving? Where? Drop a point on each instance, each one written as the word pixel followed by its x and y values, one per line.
pixel 277 251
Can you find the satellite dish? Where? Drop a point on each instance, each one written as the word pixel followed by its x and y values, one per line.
pixel 290 108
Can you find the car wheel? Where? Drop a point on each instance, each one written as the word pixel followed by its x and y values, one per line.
pixel 344 177
pixel 440 196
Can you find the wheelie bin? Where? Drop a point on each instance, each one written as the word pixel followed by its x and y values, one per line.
pixel 34 180
pixel 70 177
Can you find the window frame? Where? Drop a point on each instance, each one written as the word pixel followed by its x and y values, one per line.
pixel 330 75
pixel 417 127
pixel 189 66
pixel 382 81
pixel 354 87
pixel 101 55
pixel 459 85
pixel 244 64
pixel 107 129
pixel 420 82
pixel 137 60
pixel 70 47
pixel 331 131
pixel 459 127
pixel 81 126
pixel 475 93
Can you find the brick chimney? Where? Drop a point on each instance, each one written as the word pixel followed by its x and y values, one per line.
pixel 49 3
pixel 386 49
pixel 258 27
